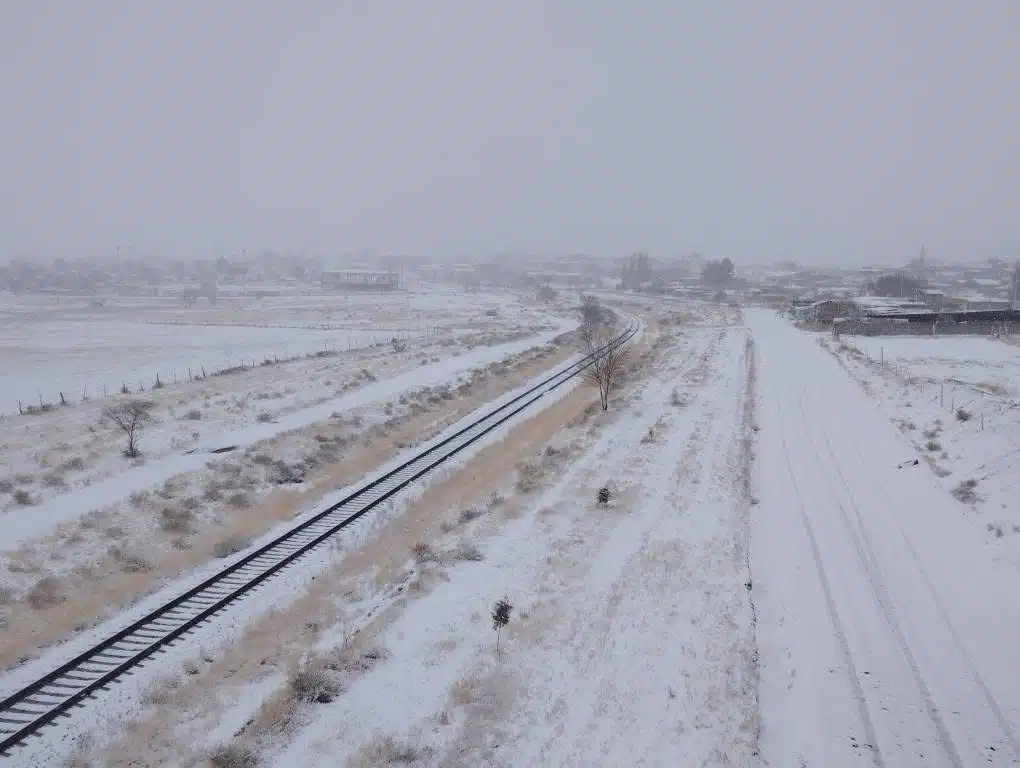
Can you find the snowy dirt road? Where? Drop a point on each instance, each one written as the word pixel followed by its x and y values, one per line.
pixel 887 634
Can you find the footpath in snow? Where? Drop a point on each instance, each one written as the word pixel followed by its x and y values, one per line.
pixel 43 518
pixel 887 636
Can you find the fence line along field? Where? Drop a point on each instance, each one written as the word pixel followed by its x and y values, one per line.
pixel 61 349
pixel 958 401
pixel 48 451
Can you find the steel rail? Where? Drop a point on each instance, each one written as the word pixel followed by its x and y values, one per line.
pixel 26 712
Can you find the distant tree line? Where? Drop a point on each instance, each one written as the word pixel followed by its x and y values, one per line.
pixel 897 286
pixel 718 273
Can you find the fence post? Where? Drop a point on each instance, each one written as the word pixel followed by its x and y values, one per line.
pixel 942 394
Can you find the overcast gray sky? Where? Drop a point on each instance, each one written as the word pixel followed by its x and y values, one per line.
pixel 840 130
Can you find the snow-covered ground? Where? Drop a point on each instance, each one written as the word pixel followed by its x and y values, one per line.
pixel 628 618
pixel 886 625
pixel 57 344
pixel 76 491
pixel 66 449
pixel 773 582
pixel 957 399
pixel 96 564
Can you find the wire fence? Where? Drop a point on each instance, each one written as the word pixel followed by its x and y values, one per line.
pixel 971 405
pixel 165 375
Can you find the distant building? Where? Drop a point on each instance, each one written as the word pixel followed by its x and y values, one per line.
pixel 360 280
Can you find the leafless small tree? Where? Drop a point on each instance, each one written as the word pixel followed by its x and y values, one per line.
pixel 501 617
pixel 131 417
pixel 607 361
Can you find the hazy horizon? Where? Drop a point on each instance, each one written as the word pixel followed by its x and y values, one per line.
pixel 790 130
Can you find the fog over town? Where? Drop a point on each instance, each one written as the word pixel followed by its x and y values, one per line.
pixel 464 383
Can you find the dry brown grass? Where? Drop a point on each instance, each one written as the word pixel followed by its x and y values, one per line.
pixel 279 640
pixel 389 750
pixel 86 600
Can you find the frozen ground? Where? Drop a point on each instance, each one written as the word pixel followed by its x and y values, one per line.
pixel 772 582
pixel 886 626
pixel 97 563
pixel 957 400
pixel 68 450
pixel 632 617
pixel 52 344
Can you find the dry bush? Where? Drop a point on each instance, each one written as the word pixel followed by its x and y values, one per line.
pixel 315 685
pixel 138 498
pixel 239 500
pixel 46 592
pixel 74 464
pixel 130 561
pixel 6 486
pixel 349 662
pixel 469 552
pixel 264 417
pixel 169 489
pixel 161 692
pixel 529 476
pixel 214 489
pixel 6 594
pixel 464 691
pixel 234 756
pixel 193 415
pixel 470 513
pixel 177 520
pixel 423 552
pixel 965 491
pixel 962 414
pixel 387 750
pixel 933 445
pixel 23 498
pixel 231 545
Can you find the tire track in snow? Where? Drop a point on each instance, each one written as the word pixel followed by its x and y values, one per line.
pixel 866 547
pixel 865 553
pixel 835 619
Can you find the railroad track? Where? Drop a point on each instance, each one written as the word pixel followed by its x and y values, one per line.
pixel 29 710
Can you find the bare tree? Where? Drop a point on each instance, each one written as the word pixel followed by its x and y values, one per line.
pixel 597 336
pixel 131 417
pixel 607 360
pixel 591 312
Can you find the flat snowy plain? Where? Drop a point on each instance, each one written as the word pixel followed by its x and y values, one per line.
pixel 774 582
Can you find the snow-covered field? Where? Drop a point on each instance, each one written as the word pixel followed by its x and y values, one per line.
pixel 67 449
pixel 772 582
pixel 630 617
pixel 57 344
pixel 957 399
pixel 886 618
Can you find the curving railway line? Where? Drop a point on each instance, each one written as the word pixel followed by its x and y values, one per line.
pixel 26 712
